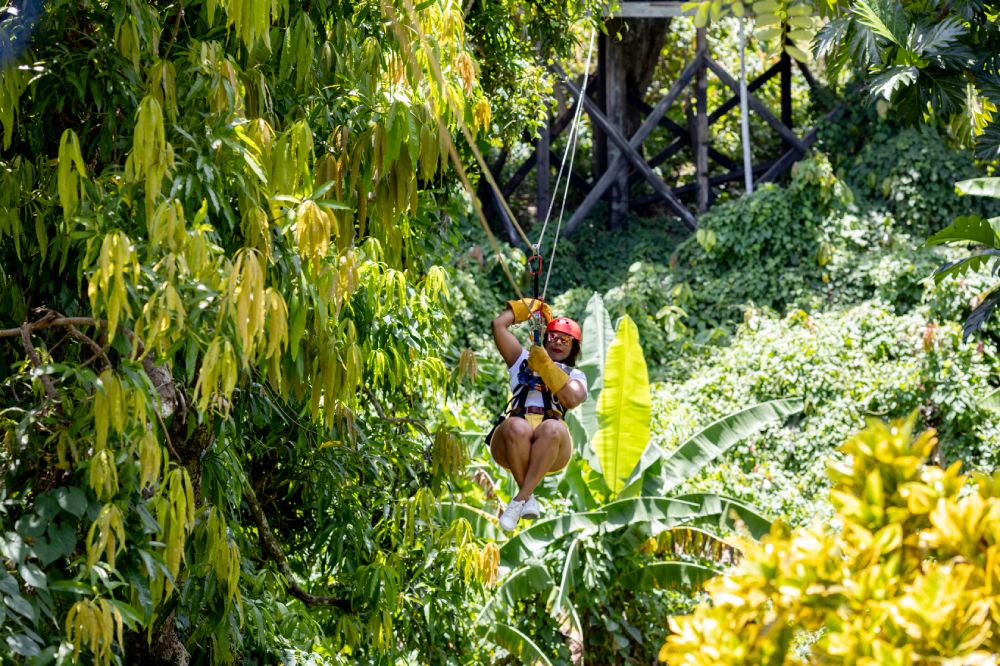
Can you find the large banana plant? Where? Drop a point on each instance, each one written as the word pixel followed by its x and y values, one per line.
pixel 627 494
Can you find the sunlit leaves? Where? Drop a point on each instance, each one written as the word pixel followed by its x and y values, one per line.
pixel 117 269
pixel 69 173
pixel 913 565
pixel 95 624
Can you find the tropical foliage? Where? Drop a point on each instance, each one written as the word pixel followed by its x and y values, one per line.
pixel 923 58
pixel 904 578
pixel 221 230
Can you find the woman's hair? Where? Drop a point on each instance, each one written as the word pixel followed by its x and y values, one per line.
pixel 573 353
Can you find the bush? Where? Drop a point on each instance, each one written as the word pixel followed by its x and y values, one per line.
pixel 904 575
pixel 847 364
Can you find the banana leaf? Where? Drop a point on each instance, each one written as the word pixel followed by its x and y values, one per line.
pixel 563 610
pixel 991 402
pixel 729 512
pixel 623 409
pixel 983 187
pixel 533 541
pixel 668 575
pixel 598 334
pixel 518 645
pixel 522 583
pixel 659 474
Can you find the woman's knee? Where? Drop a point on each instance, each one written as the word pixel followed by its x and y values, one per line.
pixel 516 429
pixel 551 429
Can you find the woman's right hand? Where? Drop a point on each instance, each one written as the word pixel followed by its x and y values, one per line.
pixel 525 307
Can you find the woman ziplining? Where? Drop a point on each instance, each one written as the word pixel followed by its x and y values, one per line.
pixel 531 438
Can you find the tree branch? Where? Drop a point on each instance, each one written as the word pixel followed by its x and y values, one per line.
pixel 87 340
pixel 392 419
pixel 46 322
pixel 273 550
pixel 50 388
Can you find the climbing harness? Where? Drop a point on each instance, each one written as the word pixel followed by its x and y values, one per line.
pixel 528 381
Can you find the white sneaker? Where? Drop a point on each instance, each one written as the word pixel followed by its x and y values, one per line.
pixel 531 510
pixel 508 521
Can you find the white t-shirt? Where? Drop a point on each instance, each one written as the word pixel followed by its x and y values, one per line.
pixel 535 397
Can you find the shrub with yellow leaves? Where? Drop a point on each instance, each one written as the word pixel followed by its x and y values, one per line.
pixel 907 574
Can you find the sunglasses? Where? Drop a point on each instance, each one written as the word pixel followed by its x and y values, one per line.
pixel 561 338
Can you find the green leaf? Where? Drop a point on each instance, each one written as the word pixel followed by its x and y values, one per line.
pixel 885 83
pixel 484 525
pixel 657 476
pixel 885 17
pixel 522 583
pixel 33 576
pixel 965 228
pixel 668 575
pixel 973 262
pixel 527 543
pixel 518 645
pixel 623 410
pixel 23 645
pixel 72 500
pixel 983 187
pixel 991 402
pixel 598 334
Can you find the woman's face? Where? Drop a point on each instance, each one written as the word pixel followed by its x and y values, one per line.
pixel 558 345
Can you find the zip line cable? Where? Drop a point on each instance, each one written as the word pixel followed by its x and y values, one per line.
pixel 571 141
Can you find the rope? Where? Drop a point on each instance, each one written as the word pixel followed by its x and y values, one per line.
pixel 571 141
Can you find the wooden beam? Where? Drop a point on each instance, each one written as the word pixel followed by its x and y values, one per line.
pixel 508 188
pixel 614 91
pixel 700 130
pixel 786 94
pixel 734 101
pixel 683 135
pixel 578 181
pixel 758 106
pixel 647 126
pixel 736 174
pixel 782 164
pixel 810 79
pixel 651 9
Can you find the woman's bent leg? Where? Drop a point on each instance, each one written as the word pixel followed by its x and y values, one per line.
pixel 511 447
pixel 550 450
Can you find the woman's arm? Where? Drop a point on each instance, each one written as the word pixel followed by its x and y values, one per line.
pixel 572 394
pixel 508 345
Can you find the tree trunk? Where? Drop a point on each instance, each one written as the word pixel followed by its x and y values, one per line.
pixel 642 39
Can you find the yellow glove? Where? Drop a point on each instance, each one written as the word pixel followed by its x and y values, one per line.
pixel 540 361
pixel 524 308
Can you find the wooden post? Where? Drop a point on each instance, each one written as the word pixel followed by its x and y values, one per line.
pixel 786 96
pixel 600 138
pixel 543 172
pixel 701 125
pixel 614 91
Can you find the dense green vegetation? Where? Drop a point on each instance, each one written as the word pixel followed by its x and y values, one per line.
pixel 245 366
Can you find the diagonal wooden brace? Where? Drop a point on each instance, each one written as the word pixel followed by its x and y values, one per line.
pixel 758 106
pixel 628 148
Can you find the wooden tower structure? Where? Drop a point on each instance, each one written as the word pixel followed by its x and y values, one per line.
pixel 619 161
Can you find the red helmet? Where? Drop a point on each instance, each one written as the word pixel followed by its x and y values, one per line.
pixel 567 326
